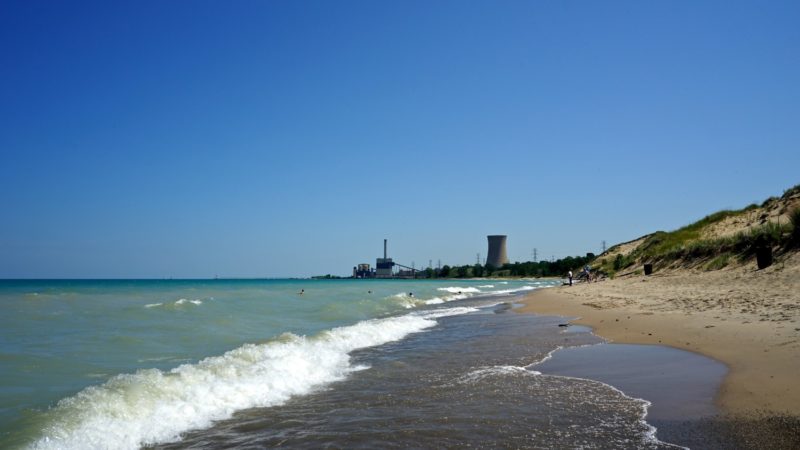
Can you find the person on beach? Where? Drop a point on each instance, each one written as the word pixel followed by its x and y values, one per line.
pixel 570 277
pixel 302 291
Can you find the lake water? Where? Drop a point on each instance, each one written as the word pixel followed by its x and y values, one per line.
pixel 254 363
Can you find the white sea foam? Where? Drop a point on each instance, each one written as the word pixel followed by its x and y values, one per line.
pixel 486 286
pixel 152 406
pixel 513 291
pixel 485 372
pixel 409 302
pixel 460 290
pixel 478 375
pixel 183 301
pixel 179 302
pixel 406 301
pixel 650 434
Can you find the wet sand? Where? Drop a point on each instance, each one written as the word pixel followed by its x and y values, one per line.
pixel 763 356
pixel 748 320
pixel 680 385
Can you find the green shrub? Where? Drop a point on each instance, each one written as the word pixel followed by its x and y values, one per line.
pixel 794 217
pixel 719 262
pixel 621 262
pixel 791 191
pixel 768 234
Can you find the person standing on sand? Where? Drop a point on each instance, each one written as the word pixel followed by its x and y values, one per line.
pixel 570 277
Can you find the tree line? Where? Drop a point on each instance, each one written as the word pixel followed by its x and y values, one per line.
pixel 556 268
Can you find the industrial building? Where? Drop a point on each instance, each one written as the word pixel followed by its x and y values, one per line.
pixel 384 268
pixel 497 251
pixel 363 271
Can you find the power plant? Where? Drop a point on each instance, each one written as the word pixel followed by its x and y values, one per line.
pixel 384 267
pixel 497 251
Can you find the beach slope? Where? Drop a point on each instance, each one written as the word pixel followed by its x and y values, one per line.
pixel 748 319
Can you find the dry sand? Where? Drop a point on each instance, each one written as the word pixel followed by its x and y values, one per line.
pixel 746 318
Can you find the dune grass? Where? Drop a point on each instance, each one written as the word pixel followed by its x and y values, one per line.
pixel 794 219
pixel 686 246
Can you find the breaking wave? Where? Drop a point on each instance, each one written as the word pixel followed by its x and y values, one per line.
pixel 153 406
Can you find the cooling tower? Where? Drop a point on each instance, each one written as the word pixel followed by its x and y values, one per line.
pixel 497 251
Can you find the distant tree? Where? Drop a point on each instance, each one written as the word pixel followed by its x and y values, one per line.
pixel 445 272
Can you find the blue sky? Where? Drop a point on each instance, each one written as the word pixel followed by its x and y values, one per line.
pixel 274 138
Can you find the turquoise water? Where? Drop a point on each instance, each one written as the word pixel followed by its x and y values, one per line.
pixel 99 364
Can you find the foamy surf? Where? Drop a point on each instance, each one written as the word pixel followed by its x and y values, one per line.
pixel 513 291
pixel 484 372
pixel 480 375
pixel 179 302
pixel 460 290
pixel 184 301
pixel 153 406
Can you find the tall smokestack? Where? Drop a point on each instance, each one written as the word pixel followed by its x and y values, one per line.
pixel 497 251
pixel 384 249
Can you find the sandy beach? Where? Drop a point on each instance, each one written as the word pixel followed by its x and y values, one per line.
pixel 747 319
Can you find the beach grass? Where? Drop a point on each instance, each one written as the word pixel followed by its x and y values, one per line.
pixel 719 262
pixel 686 246
pixel 794 220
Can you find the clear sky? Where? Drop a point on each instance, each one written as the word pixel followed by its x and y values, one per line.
pixel 289 138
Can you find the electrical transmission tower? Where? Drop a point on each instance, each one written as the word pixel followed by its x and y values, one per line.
pixel 534 255
pixel 604 247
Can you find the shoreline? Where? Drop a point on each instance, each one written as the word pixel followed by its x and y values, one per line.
pixel 762 353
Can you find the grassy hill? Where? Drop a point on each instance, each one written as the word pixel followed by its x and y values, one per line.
pixel 725 238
